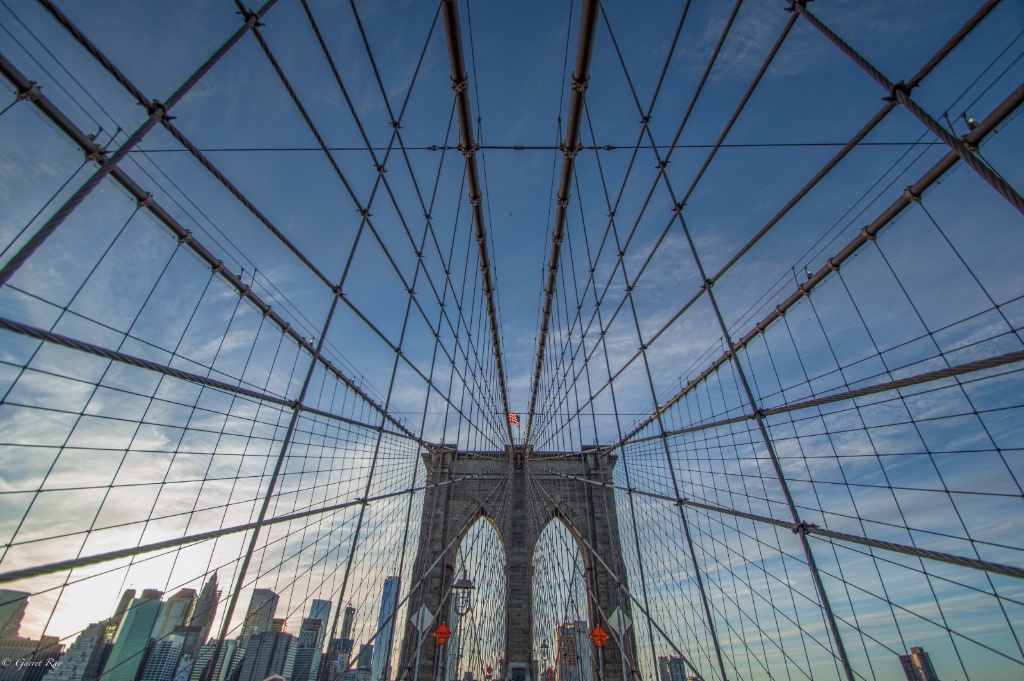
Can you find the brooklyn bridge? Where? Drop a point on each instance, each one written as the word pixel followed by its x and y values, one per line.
pixel 535 341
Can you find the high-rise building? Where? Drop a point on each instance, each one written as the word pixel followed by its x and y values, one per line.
pixel 162 660
pixel 84 659
pixel 176 612
pixel 228 660
pixel 339 652
pixel 133 637
pixel 122 609
pixel 38 657
pixel 12 610
pixel 204 616
pixel 380 668
pixel 321 610
pixel 260 615
pixel 671 668
pixel 572 652
pixel 267 654
pixel 917 666
pixel 306 665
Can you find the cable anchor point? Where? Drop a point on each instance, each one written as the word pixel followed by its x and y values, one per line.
pixel 31 93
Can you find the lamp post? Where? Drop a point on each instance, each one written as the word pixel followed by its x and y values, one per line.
pixel 545 650
pixel 462 594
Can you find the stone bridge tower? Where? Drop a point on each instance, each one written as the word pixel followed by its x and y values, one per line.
pixel 588 510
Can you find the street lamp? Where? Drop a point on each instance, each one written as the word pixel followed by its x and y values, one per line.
pixel 463 593
pixel 544 651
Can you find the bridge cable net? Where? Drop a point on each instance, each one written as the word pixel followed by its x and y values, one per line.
pixel 776 358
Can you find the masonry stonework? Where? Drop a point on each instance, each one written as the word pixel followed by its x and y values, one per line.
pixel 519 491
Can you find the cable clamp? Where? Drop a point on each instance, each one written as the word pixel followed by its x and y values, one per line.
pixel 146 202
pixel 185 238
pixel 365 212
pixel 897 89
pixel 708 283
pixel 866 234
pixel 570 152
pixel 97 155
pixel 379 167
pixel 475 202
pixel 911 196
pixel 803 527
pixel 252 18
pixel 971 146
pixel 679 207
pixel 157 110
pixel 662 165
pixel 682 501
pixel 832 265
pixel 243 290
pixel 563 203
pixel 757 414
pixel 580 86
pixel 460 85
pixel 30 94
pixel 218 267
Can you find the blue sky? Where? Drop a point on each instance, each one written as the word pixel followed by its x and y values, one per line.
pixel 941 286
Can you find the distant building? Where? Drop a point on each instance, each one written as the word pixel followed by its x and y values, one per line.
pixel 122 609
pixel 917 666
pixel 12 610
pixel 38 657
pixel 227 662
pixel 572 652
pixel 260 615
pixel 266 654
pixel 84 660
pixel 321 610
pixel 162 660
pixel 132 640
pixel 380 667
pixel 279 624
pixel 306 665
pixel 176 612
pixel 204 615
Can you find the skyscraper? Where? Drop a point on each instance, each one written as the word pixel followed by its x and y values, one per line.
pixel 133 637
pixel 306 665
pixel 347 643
pixel 176 612
pixel 122 609
pixel 228 660
pixel 260 615
pixel 380 669
pixel 205 612
pixel 917 666
pixel 12 609
pixel 84 659
pixel 266 654
pixel 204 616
pixel 321 610
pixel 162 660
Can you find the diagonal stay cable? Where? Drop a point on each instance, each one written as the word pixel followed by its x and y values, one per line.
pixel 901 93
pixel 157 112
pixel 812 530
pixel 856 140
pixel 910 195
pixel 183 235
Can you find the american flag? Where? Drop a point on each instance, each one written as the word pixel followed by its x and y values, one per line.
pixel 513 418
